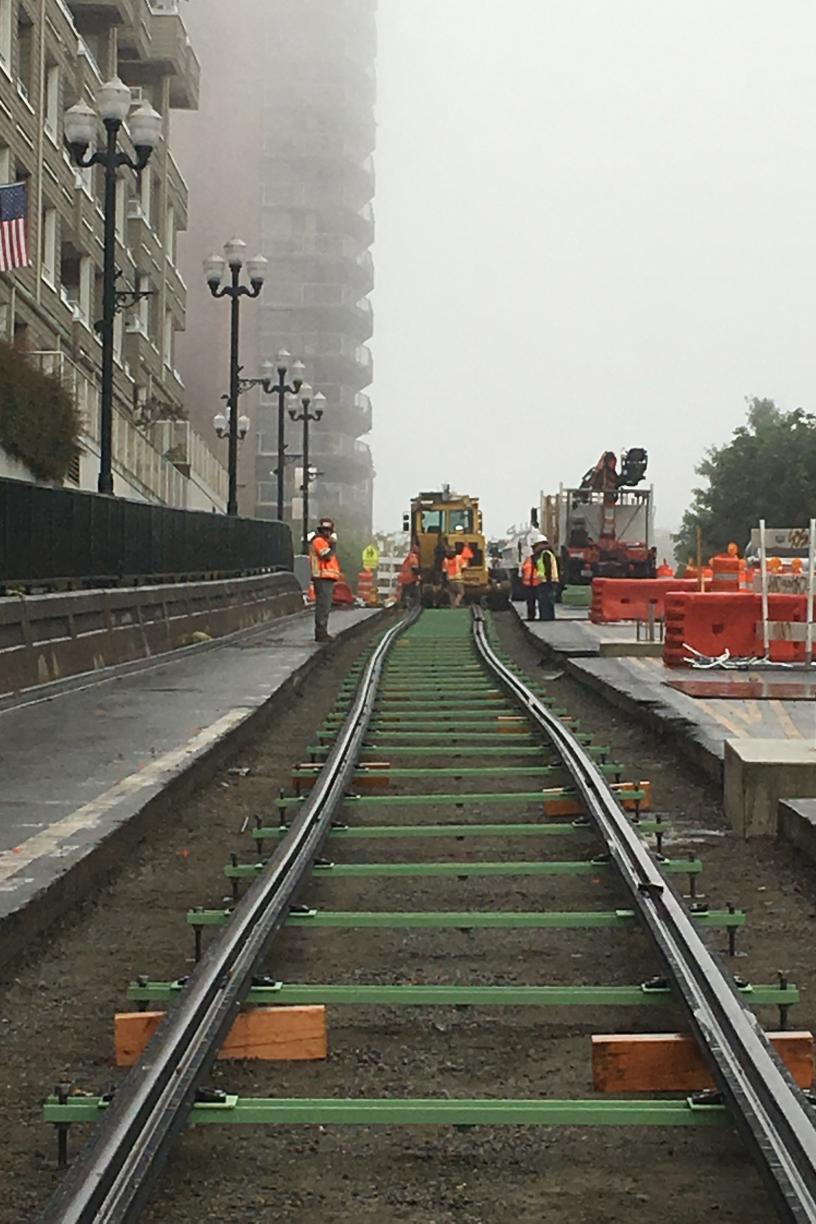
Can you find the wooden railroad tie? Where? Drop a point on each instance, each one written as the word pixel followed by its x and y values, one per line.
pixel 272 1034
pixel 672 1062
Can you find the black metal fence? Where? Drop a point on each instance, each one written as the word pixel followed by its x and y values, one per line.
pixel 56 537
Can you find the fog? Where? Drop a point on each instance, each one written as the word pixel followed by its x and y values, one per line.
pixel 595 229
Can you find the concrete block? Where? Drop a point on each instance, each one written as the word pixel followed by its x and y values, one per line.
pixel 760 772
pixel 632 649
pixel 797 825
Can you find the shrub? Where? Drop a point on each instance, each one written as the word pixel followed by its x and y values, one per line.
pixel 39 422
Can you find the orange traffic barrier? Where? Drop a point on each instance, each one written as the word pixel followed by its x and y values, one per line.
pixel 366 590
pixel 342 594
pixel 726 571
pixel 629 599
pixel 712 622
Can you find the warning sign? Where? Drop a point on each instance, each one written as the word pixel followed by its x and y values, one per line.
pixel 371 557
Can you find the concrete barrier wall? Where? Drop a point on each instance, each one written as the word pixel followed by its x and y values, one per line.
pixel 49 637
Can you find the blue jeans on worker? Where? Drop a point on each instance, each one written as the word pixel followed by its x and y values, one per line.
pixel 545 598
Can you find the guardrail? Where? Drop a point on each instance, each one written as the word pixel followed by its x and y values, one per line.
pixel 60 539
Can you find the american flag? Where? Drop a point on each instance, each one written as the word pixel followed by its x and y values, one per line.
pixel 13 228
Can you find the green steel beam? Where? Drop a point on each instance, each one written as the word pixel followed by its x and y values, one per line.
pixel 293 1111
pixel 510 749
pixel 309 773
pixel 299 994
pixel 244 871
pixel 504 920
pixel 552 794
pixel 526 829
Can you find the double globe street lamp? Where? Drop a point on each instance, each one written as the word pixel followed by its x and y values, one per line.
pixel 311 409
pixel 282 389
pixel 81 124
pixel 215 269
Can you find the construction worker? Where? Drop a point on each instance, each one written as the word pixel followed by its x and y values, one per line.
pixel 325 572
pixel 467 555
pixel 546 567
pixel 530 581
pixel 409 578
pixel 452 566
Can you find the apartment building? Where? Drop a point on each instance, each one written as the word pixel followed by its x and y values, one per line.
pixel 54 53
pixel 317 226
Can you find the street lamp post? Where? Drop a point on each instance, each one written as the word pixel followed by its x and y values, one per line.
pixel 281 389
pixel 81 125
pixel 317 405
pixel 214 271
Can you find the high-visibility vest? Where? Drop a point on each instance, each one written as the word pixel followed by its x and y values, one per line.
pixel 453 567
pixel 407 575
pixel 466 554
pixel 541 568
pixel 323 559
pixel 529 577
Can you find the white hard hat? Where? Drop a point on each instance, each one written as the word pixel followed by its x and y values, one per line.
pixel 537 538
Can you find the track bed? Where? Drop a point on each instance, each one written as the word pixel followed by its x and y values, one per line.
pixel 406 1173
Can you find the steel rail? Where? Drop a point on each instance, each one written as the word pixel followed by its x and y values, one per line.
pixel 769 1110
pixel 115 1172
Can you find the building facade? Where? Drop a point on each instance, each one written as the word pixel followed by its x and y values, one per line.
pixel 54 53
pixel 316 228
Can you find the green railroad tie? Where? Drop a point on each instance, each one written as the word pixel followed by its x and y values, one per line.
pixel 553 794
pixel 308 774
pixel 512 748
pixel 432 1111
pixel 505 920
pixel 526 829
pixel 297 994
pixel 456 870
pixel 542 751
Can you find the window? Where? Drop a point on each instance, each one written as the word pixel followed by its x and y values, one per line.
pixel 25 54
pixel 460 520
pixel 118 332
pixel 5 164
pixel 143 305
pixel 121 207
pixel 146 193
pixel 5 34
pixel 52 100
pixel 431 520
pixel 86 288
pixel 48 246
pixel 170 234
pixel 168 339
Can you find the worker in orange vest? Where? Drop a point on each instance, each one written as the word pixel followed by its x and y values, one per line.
pixel 409 579
pixel 467 555
pixel 530 580
pixel 325 572
pixel 452 568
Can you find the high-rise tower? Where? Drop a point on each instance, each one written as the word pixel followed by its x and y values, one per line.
pixel 317 225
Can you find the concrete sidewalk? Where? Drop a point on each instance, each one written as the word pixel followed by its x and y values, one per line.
pixel 700 725
pixel 82 759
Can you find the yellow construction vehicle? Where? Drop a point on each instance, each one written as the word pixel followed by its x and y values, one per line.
pixel 444 519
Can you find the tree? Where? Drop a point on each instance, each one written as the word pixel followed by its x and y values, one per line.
pixel 767 470
pixel 39 422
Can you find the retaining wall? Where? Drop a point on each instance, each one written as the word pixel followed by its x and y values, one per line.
pixel 44 638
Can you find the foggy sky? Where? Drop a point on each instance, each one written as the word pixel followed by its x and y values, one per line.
pixel 595 229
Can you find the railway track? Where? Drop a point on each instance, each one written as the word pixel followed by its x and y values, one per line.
pixel 441 763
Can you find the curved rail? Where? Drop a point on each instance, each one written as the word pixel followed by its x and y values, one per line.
pixel 111 1179
pixel 770 1111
